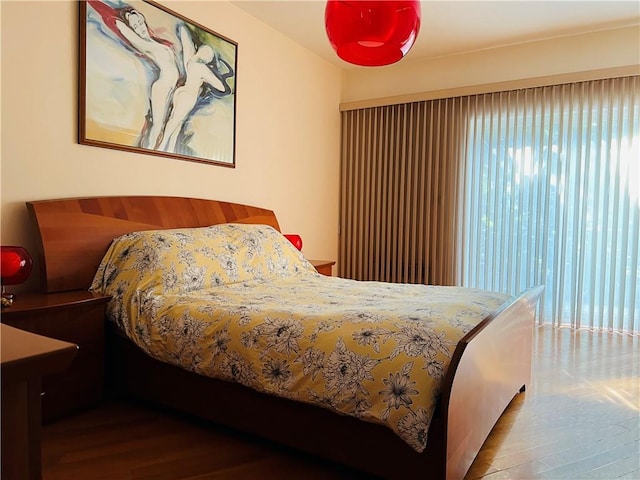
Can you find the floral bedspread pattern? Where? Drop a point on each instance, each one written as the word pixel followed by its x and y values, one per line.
pixel 240 303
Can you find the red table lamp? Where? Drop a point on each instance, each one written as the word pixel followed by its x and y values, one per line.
pixel 295 239
pixel 372 33
pixel 15 268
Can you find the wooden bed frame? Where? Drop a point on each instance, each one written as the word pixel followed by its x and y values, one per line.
pixel 490 365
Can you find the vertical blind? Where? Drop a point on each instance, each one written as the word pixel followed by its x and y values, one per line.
pixel 398 192
pixel 502 191
pixel 551 196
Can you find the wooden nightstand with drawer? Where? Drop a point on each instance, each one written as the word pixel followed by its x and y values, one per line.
pixel 77 317
pixel 325 267
pixel 25 359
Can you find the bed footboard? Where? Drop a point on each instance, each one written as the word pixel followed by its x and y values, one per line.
pixel 490 365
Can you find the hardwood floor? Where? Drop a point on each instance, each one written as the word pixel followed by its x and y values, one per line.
pixel 579 419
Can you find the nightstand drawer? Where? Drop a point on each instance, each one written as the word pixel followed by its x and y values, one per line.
pixel 76 317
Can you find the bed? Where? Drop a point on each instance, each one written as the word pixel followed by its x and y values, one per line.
pixel 487 366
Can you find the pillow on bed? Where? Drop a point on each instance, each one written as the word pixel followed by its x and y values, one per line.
pixel 187 259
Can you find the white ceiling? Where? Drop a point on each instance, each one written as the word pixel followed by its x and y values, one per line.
pixel 457 26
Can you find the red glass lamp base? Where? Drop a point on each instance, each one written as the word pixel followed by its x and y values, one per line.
pixel 295 239
pixel 15 268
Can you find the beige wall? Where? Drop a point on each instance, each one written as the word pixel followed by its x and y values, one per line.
pixel 596 53
pixel 288 123
pixel 287 140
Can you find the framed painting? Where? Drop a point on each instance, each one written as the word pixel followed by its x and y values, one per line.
pixel 152 81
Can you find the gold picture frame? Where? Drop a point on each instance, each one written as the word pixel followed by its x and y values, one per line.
pixel 152 81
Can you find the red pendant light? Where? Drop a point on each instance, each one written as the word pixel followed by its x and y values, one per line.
pixel 372 33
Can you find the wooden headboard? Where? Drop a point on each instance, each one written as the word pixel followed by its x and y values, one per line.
pixel 75 233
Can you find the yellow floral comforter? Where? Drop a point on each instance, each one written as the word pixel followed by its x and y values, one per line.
pixel 240 303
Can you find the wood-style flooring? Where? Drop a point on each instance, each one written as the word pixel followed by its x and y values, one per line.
pixel 579 419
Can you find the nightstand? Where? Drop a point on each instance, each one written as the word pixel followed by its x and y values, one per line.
pixel 324 267
pixel 25 359
pixel 77 317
